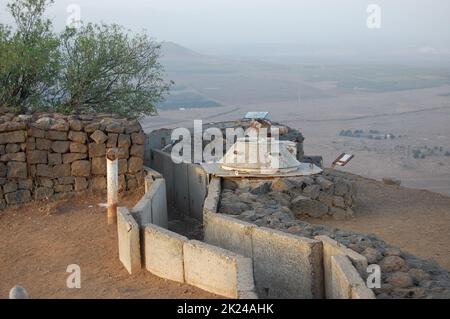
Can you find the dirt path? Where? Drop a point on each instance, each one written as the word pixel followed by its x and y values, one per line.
pixel 417 221
pixel 39 241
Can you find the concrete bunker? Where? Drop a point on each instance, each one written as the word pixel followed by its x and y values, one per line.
pixel 249 226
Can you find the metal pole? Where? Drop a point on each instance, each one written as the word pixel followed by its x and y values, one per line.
pixel 112 178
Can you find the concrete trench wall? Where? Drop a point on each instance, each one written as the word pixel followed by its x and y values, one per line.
pixel 145 241
pixel 238 259
pixel 285 265
pixel 186 184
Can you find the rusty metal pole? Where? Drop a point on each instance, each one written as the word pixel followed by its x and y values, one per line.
pixel 112 179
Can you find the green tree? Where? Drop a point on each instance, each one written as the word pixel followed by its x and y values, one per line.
pixel 94 68
pixel 28 57
pixel 106 69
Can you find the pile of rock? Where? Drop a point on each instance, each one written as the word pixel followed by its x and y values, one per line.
pixel 313 196
pixel 48 155
pixel 274 204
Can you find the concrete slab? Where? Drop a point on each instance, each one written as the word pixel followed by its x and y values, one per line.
pixel 229 233
pixel 128 239
pixel 164 253
pixel 333 248
pixel 198 185
pixel 157 195
pixel 181 188
pixel 217 270
pixel 346 283
pixel 286 266
pixel 212 199
pixel 142 211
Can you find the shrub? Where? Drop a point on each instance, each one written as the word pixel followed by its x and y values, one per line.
pixel 94 68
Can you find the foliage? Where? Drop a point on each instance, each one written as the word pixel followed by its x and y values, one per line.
pixel 29 57
pixel 94 68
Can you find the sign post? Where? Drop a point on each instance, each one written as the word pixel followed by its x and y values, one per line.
pixel 112 179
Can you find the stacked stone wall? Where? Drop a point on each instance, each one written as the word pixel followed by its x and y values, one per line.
pixel 52 155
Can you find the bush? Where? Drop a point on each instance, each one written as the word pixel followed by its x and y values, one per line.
pixel 95 68
pixel 29 58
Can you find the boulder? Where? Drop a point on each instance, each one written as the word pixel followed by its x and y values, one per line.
pixel 78 148
pixel 54 159
pixel 81 168
pixel 400 280
pixel 112 140
pixel 3 170
pixel 114 127
pixel 61 170
pixel 304 205
pixel 373 255
pixel 97 150
pixel 18 157
pixel 137 150
pixel 60 146
pixel 99 137
pixel 43 144
pixel 36 132
pixel 81 184
pixel 10 187
pixel 72 157
pixel 56 135
pixel 138 138
pixel 63 188
pixel 44 170
pixel 59 125
pixel 324 183
pixel 12 137
pixel 122 153
pixel 98 166
pixel 18 197
pixel 339 201
pixel 17 170
pixel 12 148
pixel 43 193
pixel 124 141
pixel 91 127
pixel 123 166
pixel 312 191
pixel 392 263
pixel 79 137
pixel 75 125
pixel 135 164
pixel 98 183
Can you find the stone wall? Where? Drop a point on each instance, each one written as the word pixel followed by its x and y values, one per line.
pixel 51 155
pixel 316 196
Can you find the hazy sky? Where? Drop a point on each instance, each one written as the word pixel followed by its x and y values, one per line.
pixel 221 23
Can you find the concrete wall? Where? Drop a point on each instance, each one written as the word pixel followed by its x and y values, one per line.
pixel 346 283
pixel 217 270
pixel 128 240
pixel 164 253
pixel 229 233
pixel 286 266
pixel 174 257
pixel 152 207
pixel 186 184
pixel 332 248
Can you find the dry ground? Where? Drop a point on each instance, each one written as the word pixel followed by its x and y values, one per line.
pixel 416 221
pixel 39 240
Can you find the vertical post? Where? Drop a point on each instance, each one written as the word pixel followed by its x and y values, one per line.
pixel 112 178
